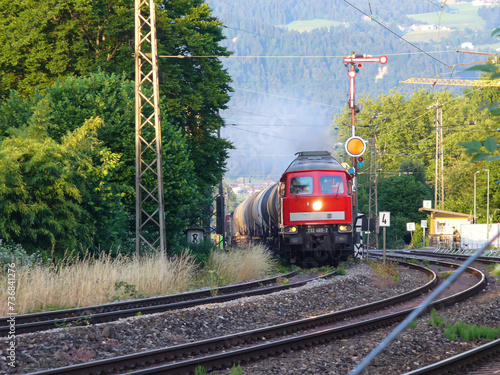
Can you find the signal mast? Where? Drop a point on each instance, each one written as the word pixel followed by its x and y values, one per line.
pixel 355 146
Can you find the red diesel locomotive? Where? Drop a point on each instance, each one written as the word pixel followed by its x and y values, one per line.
pixel 307 217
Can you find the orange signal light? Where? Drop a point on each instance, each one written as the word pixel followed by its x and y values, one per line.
pixel 355 146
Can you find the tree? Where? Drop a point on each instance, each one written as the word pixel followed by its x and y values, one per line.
pixel 46 40
pixel 402 196
pixel 197 88
pixel 69 103
pixel 487 149
pixel 52 43
pixel 56 196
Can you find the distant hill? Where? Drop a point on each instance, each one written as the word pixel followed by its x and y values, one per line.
pixel 288 75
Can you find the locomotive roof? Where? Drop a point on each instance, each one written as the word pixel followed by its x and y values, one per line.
pixel 309 160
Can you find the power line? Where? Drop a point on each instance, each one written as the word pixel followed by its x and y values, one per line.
pixel 274 136
pixel 299 56
pixel 287 97
pixel 287 125
pixel 400 37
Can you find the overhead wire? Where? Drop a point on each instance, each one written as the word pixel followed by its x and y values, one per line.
pixel 335 56
pixel 287 97
pixel 397 35
pixel 272 136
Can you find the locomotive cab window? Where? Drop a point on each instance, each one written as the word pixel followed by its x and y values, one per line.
pixel 332 185
pixel 301 185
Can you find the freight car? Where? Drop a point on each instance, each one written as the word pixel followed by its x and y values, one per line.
pixel 307 217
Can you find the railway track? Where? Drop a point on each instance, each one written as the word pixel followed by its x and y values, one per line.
pixel 113 311
pixel 268 341
pixel 482 360
pixel 431 254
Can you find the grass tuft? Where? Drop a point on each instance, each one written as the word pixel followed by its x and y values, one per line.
pixel 252 261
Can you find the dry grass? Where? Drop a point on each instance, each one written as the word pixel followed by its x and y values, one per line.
pixel 90 282
pixel 251 261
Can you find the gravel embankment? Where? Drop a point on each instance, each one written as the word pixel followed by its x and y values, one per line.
pixel 414 348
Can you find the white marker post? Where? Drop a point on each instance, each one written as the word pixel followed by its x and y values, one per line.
pixel 410 227
pixel 384 220
pixel 423 224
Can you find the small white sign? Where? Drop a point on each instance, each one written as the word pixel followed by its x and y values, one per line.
pixel 410 226
pixel 427 204
pixel 423 223
pixel 384 219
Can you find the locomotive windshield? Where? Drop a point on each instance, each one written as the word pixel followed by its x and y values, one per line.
pixel 332 185
pixel 301 185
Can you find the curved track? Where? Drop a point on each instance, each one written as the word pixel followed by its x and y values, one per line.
pixel 481 360
pixel 114 311
pixel 278 338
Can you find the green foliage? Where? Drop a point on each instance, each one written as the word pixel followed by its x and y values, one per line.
pixel 236 370
pixel 200 251
pixel 60 39
pixel 54 193
pixel 496 270
pixel 475 148
pixel 50 307
pixel 282 281
pixel 125 290
pixel 15 253
pixel 446 274
pixel 63 323
pixel 436 320
pixel 406 144
pixel 67 105
pixel 215 279
pixel 470 332
pixel 77 57
pixel 387 269
pixel 487 149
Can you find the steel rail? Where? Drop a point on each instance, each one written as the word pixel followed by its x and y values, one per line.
pixel 224 360
pixel 460 363
pixel 112 311
pixel 428 302
pixel 482 259
pixel 249 337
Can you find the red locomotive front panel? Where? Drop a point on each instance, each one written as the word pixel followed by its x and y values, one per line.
pixel 316 198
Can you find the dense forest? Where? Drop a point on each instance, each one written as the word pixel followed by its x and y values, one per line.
pixel 67 128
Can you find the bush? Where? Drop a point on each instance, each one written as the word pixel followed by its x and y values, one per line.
pixel 15 253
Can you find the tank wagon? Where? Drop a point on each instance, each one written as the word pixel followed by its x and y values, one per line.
pixel 307 217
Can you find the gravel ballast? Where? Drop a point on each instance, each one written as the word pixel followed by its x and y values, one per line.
pixel 414 348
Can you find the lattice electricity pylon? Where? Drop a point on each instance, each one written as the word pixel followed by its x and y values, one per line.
pixel 150 209
pixel 439 169
pixel 438 123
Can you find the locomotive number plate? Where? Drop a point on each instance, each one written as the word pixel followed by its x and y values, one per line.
pixel 317 230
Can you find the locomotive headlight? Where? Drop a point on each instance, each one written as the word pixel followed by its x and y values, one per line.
pixel 292 229
pixel 317 205
pixel 345 228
